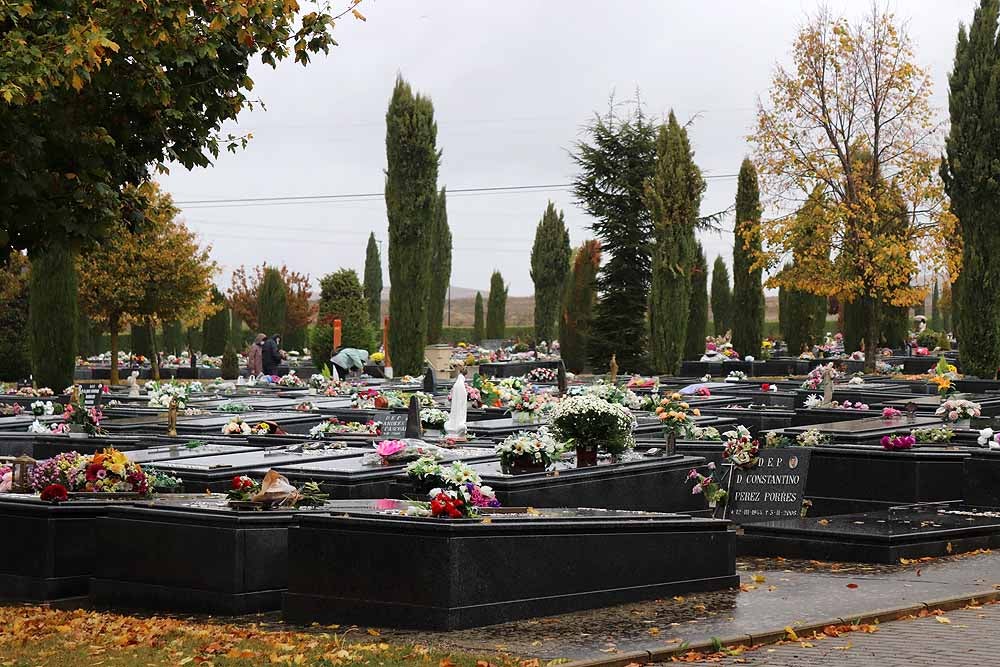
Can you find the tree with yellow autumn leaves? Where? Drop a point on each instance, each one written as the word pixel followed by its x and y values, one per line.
pixel 152 273
pixel 853 117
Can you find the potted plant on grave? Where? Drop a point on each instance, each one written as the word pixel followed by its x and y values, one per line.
pixel 433 419
pixel 527 452
pixel 590 423
pixel 958 411
pixel 675 414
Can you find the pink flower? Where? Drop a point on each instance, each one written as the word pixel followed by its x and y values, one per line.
pixel 696 490
pixel 6 482
pixel 387 448
pixel 711 465
pixel 953 415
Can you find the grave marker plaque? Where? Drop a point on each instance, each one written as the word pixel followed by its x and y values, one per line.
pixel 393 424
pixel 773 489
pixel 91 395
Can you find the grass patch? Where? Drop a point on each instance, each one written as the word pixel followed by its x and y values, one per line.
pixel 37 636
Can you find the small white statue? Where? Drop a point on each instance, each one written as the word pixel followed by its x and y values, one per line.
pixel 133 386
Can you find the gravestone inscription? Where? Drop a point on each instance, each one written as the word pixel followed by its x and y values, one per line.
pixel 393 424
pixel 773 489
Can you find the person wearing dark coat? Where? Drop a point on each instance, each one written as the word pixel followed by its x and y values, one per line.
pixel 271 354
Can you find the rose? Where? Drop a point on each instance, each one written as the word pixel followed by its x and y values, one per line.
pixel 241 482
pixel 387 448
pixel 54 493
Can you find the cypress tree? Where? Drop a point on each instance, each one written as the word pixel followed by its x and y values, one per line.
pixel 694 346
pixel 341 298
pixel 15 352
pixel 722 298
pixel 230 362
pixel 614 165
pixel 673 196
pixel 935 322
pixel 440 269
pixel 895 325
pixel 236 331
pixel 782 312
pixel 373 283
pixel 52 315
pixel 411 200
pixel 748 292
pixel 496 313
pixel 295 338
pixel 217 328
pixel 550 256
pixel 479 324
pixel 579 299
pixel 945 306
pixel 854 325
pixel 173 337
pixel 141 339
pixel 272 303
pixel 800 320
pixel 970 177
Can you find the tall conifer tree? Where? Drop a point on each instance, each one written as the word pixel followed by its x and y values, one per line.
pixel 579 300
pixel 496 312
pixel 411 197
pixel 52 316
pixel 694 346
pixel 722 298
pixel 479 323
pixel 440 269
pixel 748 291
pixel 272 303
pixel 373 282
pixel 550 256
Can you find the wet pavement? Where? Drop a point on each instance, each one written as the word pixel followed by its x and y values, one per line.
pixel 774 593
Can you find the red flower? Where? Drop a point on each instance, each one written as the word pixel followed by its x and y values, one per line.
pixel 92 471
pixel 55 493
pixel 765 387
pixel 241 482
pixel 445 504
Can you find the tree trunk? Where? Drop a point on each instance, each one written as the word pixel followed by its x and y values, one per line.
pixel 113 323
pixel 154 358
pixel 870 313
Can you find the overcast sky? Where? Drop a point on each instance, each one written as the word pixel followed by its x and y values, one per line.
pixel 512 86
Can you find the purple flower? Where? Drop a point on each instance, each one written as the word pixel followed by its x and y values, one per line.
pixel 696 490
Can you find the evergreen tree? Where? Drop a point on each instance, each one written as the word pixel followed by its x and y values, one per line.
pixel 782 312
pixel 15 353
pixel 722 298
pixel 272 303
pixel 945 304
pixel 748 292
pixel 236 334
pixel 936 322
pixel 52 315
pixel 614 165
pixel 373 283
pixel 895 326
pixel 496 313
pixel 295 337
pixel 173 337
pixel 341 298
pixel 440 269
pixel 230 362
pixel 141 339
pixel 673 196
pixel 970 175
pixel 87 336
pixel 579 299
pixel 217 328
pixel 411 197
pixel 854 325
pixel 801 320
pixel 694 347
pixel 550 256
pixel 479 324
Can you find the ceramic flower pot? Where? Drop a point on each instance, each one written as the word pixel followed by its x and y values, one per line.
pixel 586 458
pixel 521 465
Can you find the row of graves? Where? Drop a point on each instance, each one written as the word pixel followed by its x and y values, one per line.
pixel 417 502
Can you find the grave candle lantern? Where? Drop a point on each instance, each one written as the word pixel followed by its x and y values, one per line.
pixel 19 474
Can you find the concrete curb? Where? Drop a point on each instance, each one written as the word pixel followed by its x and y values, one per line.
pixel 776 635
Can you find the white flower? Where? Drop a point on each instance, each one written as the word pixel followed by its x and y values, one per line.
pixel 748 358
pixel 985 436
pixel 857 379
pixel 37 427
pixel 706 378
pixel 813 400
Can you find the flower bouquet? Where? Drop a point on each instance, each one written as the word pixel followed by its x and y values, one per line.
pixel 610 393
pixel 891 413
pixel 775 439
pixel 455 491
pixel 958 409
pixel 42 408
pixel 988 438
pixel 811 438
pixel 675 415
pixel 394 452
pixel 591 423
pixel 432 418
pixel 898 442
pixel 815 378
pixel 741 450
pixel 291 380
pixel 161 394
pixel 234 407
pixel 334 426
pixel 272 492
pixel 526 452
pixel 108 472
pixel 639 382
pixel 236 426
pixel 735 376
pixel 540 374
pixel 705 433
pixel 78 419
pixel 707 485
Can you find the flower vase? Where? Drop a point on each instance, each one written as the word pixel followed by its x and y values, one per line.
pixel 671 443
pixel 712 504
pixel 521 465
pixel 586 457
pixel 963 423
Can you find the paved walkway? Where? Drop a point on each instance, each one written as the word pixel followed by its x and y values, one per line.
pixel 969 637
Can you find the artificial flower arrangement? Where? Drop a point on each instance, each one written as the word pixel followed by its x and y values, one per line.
pixel 234 407
pixel 639 382
pixel 815 378
pixel 334 426
pixel 736 376
pixel 237 426
pixel 814 401
pixel 377 357
pixel 388 452
pixel 499 393
pixel 42 408
pixel 773 439
pixel 811 438
pixel 530 403
pixel 305 406
pixel 885 368
pixel 768 387
pixel 891 413
pixel 675 415
pixel 7 410
pixel 455 491
pixel 6 479
pixel 705 433
pixel 161 394
pixel 318 381
pixel 741 450
pixel 77 417
pixel 274 491
pixel 291 380
pixel 41 392
pixel 954 409
pixel 341 388
pixel 935 435
pixel 898 442
pixel 707 485
pixel 766 349
pixel 610 393
pixel 433 418
pixel 541 374
pixel 589 423
pixel 856 379
pixel 987 437
pixel 703 391
pixel 527 451
pixel 108 471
